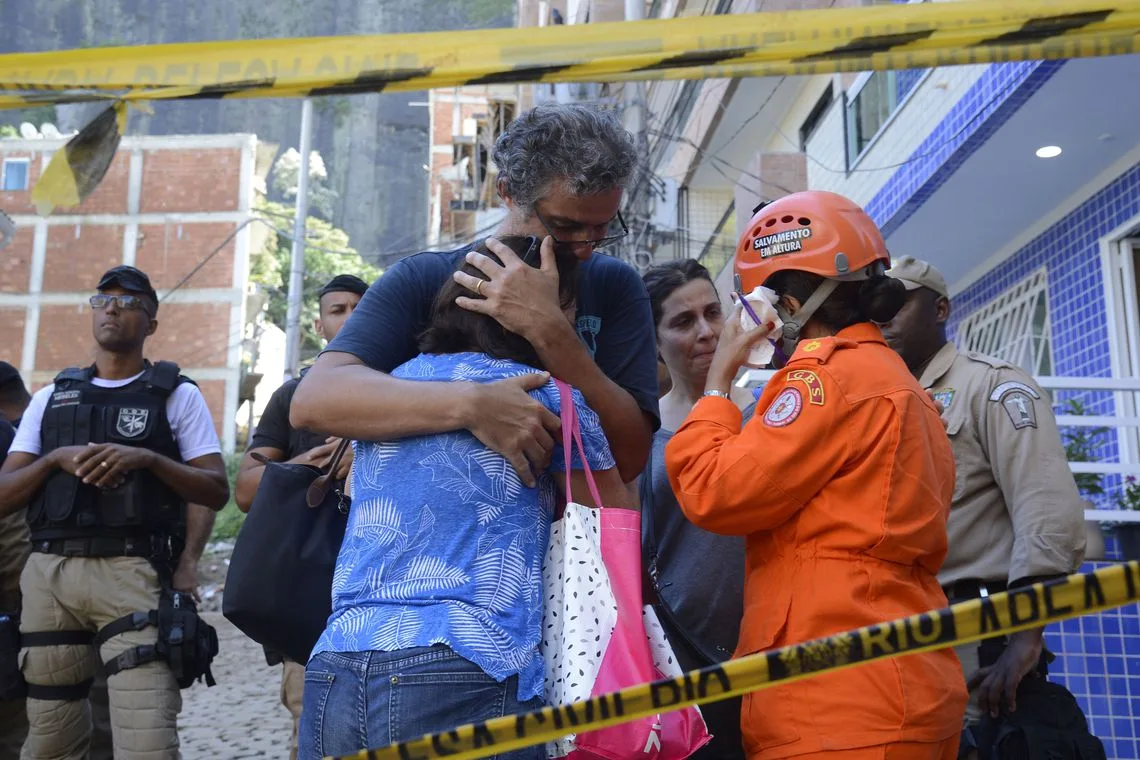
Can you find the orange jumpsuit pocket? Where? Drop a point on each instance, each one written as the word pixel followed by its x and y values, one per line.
pixel 767 720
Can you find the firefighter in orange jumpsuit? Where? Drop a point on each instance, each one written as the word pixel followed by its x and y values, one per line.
pixel 842 484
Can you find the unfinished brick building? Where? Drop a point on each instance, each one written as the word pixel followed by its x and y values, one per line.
pixel 166 205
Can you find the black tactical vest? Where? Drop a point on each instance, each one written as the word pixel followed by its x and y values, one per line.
pixel 78 413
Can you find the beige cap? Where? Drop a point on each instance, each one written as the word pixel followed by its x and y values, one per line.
pixel 916 273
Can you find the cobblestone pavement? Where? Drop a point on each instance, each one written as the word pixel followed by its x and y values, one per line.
pixel 242 716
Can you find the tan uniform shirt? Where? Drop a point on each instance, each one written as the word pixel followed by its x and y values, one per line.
pixel 1016 510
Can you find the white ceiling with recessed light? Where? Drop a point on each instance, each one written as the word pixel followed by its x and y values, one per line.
pixel 1090 109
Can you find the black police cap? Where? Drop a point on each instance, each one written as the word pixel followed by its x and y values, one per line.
pixel 129 279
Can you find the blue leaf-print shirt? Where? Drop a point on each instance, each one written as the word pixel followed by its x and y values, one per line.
pixel 445 544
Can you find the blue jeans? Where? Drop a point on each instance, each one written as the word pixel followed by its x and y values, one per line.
pixel 367 700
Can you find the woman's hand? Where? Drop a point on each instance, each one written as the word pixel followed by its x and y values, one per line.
pixel 732 350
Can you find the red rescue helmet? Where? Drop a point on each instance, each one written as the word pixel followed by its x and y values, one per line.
pixel 814 231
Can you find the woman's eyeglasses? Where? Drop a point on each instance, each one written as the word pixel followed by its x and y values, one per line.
pixel 125 302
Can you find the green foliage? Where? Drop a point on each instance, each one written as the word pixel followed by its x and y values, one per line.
pixel 228 523
pixel 230 519
pixel 7 130
pixel 1080 445
pixel 327 254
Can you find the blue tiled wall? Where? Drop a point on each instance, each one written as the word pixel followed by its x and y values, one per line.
pixel 905 81
pixel 1098 656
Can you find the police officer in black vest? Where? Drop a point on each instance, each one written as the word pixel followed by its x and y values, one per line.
pixel 106 460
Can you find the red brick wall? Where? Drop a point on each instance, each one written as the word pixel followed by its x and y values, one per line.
pixel 167 258
pixel 65 338
pixel 16 261
pixel 190 180
pixel 75 264
pixel 193 334
pixel 214 391
pixel 12 349
pixel 110 197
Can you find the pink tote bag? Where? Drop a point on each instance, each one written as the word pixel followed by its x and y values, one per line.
pixel 598 636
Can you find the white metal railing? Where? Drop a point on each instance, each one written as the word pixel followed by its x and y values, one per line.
pixel 755 378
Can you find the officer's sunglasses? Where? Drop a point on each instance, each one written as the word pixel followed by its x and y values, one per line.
pixel 616 230
pixel 124 302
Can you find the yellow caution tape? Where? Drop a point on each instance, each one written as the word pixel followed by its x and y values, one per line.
pixel 1005 613
pixel 76 171
pixel 757 44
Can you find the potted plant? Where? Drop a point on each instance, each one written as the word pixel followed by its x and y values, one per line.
pixel 1128 534
pixel 1080 445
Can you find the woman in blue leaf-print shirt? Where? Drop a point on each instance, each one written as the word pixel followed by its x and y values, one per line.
pixel 437 596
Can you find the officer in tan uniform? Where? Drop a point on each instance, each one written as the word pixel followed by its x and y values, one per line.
pixel 1017 517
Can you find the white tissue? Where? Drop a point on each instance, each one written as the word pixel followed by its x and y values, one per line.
pixel 763 302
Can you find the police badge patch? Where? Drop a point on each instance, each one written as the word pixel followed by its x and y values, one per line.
pixel 945 396
pixel 131 422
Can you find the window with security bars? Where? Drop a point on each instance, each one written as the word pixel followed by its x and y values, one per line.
pixel 1014 326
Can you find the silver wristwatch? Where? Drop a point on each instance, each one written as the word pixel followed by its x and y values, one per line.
pixel 718 394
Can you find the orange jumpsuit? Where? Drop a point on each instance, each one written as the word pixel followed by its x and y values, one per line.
pixel 842 483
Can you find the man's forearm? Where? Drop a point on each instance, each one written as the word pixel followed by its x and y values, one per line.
pixel 199 526
pixel 626 426
pixel 353 401
pixel 197 486
pixel 19 486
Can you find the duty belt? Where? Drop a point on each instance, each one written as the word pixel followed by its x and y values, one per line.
pixel 972 588
pixel 151 547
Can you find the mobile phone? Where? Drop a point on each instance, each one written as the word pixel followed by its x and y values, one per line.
pixel 524 246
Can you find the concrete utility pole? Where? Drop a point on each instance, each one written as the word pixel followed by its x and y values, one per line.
pixel 297 266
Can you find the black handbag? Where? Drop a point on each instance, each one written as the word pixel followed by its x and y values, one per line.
pixel 279 585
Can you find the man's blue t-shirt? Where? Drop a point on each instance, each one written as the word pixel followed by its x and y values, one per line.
pixel 614 319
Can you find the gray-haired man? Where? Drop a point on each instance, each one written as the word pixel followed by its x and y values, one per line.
pixel 562 171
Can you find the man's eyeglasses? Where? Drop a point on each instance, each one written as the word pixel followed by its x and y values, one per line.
pixel 616 230
pixel 125 302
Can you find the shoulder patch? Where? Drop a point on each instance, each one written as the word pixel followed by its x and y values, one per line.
pixel 785 408
pixel 990 360
pixel 812 346
pixel 1012 385
pixel 1019 406
pixel 811 382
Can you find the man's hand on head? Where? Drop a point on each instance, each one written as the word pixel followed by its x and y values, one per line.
pixel 521 298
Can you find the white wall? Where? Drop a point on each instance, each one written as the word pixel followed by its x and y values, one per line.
pixel 927 104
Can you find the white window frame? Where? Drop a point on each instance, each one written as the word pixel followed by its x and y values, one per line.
pixel 1004 327
pixel 1122 302
pixel 26 163
pixel 857 87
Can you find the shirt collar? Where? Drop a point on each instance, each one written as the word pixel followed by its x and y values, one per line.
pixel 862 332
pixel 939 365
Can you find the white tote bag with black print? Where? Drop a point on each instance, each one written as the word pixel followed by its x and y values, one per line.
pixel 581 636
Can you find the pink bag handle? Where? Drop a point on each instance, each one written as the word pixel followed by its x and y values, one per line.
pixel 570 427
